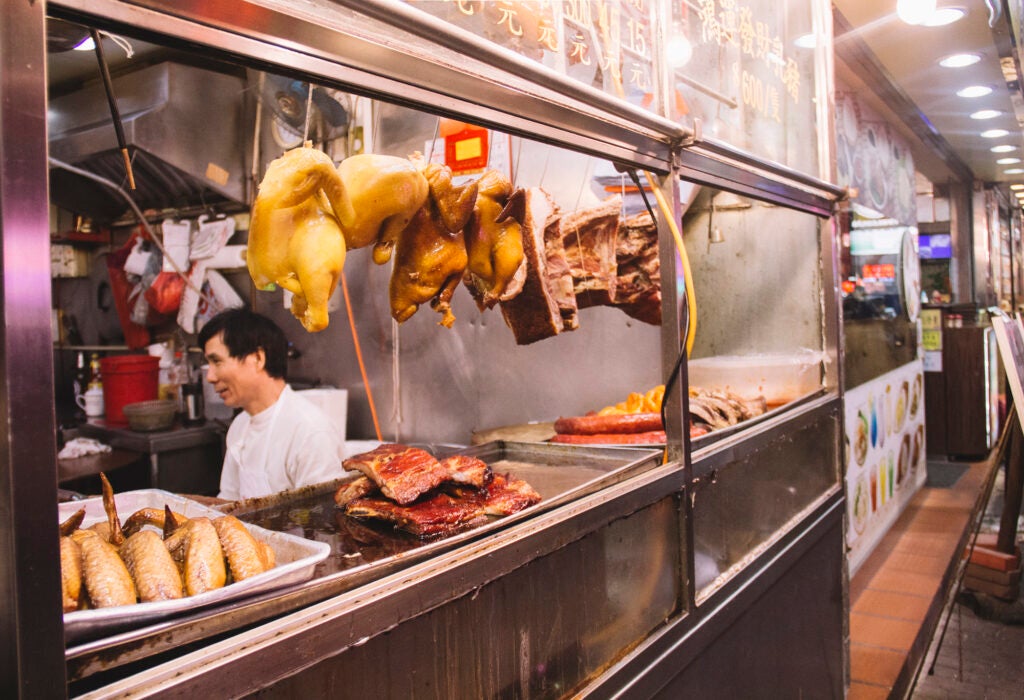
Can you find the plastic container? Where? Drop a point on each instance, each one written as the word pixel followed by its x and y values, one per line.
pixel 127 379
pixel 778 378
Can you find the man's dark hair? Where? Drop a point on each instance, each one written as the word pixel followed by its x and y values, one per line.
pixel 245 332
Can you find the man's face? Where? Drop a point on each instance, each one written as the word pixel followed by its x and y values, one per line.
pixel 234 379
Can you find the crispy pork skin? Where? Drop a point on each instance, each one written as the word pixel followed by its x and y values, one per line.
pixel 403 473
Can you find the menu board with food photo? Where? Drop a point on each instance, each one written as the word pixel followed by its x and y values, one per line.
pixel 885 454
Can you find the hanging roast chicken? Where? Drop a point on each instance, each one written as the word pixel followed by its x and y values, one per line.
pixel 308 213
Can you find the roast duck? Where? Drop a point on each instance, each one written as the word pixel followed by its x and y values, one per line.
pixel 508 246
pixel 410 489
pixel 637 420
pixel 108 564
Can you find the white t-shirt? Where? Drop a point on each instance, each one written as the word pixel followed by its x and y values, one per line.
pixel 286 446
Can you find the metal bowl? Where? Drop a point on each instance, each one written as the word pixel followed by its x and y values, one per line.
pixel 147 416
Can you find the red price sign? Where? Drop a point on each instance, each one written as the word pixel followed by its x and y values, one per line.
pixel 879 272
pixel 466 151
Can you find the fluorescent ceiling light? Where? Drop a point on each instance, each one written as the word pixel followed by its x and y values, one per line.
pixel 1013 171
pixel 960 60
pixel 1017 187
pixel 994 133
pixel 986 114
pixel 975 91
pixel 1004 148
pixel 1018 193
pixel 1008 161
pixel 945 15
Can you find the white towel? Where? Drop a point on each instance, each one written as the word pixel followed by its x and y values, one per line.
pixel 80 447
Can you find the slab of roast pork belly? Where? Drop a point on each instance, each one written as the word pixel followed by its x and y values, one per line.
pixel 402 473
pixel 589 236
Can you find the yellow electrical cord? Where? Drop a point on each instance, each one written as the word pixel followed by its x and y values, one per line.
pixel 691 300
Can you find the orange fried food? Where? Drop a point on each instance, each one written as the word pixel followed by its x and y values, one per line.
pixel 494 241
pixel 152 569
pixel 70 573
pixel 295 238
pixel 246 556
pixel 196 549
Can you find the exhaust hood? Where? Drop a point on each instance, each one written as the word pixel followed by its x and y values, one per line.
pixel 185 131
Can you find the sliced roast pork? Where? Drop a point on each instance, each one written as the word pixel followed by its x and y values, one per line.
pixel 438 514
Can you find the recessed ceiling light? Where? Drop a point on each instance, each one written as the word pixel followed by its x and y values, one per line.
pixel 1008 161
pixel 994 133
pixel 1013 171
pixel 1004 148
pixel 975 91
pixel 1017 187
pixel 959 60
pixel 986 114
pixel 945 15
pixel 915 11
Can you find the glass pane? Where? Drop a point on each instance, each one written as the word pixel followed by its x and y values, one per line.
pixel 745 69
pixel 751 502
pixel 756 277
pixel 607 44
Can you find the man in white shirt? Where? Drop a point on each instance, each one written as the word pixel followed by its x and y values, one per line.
pixel 280 440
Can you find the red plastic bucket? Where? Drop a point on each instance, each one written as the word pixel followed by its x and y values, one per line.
pixel 127 379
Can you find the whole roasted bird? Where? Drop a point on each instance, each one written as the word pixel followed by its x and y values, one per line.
pixel 295 239
pixel 430 256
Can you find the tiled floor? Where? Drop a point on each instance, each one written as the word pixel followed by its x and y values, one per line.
pixel 897 596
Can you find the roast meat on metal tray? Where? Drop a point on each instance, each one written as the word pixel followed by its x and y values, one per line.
pixel 107 565
pixel 410 488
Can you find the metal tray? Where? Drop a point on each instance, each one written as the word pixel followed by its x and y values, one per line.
pixel 560 473
pixel 296 561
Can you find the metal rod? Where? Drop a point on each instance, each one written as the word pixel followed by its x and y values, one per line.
pixel 108 85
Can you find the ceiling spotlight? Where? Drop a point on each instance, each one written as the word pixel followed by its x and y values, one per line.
pixel 975 91
pixel 678 51
pixel 1013 171
pixel 915 11
pixel 945 15
pixel 960 60
pixel 994 134
pixel 986 114
pixel 1004 148
pixel 1008 161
